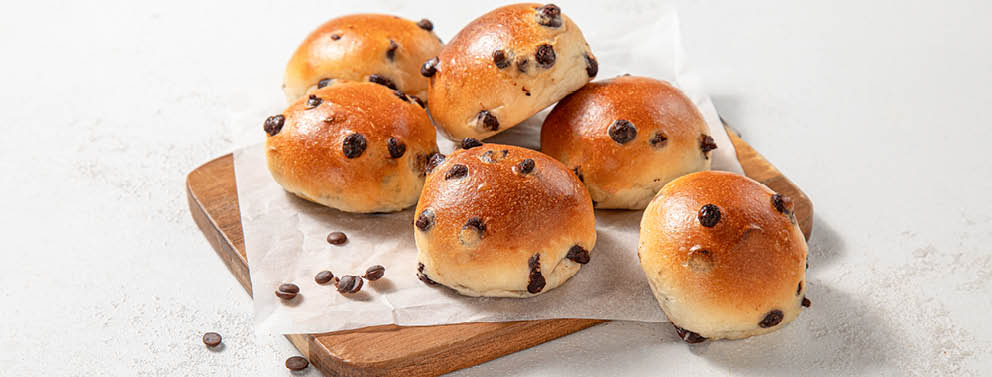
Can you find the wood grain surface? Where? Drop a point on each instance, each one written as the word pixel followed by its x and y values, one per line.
pixel 392 350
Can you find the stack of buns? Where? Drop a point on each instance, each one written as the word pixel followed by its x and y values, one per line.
pixel 722 253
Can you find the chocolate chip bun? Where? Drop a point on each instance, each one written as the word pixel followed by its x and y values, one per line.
pixel 380 48
pixel 354 146
pixel 501 221
pixel 627 137
pixel 724 256
pixel 505 67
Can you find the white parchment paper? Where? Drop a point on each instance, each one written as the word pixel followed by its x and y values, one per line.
pixel 285 235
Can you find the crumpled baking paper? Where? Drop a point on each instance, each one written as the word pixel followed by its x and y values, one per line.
pixel 285 236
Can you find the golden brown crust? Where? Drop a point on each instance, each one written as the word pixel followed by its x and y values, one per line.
pixel 722 281
pixel 308 155
pixel 545 210
pixel 353 47
pixel 622 173
pixel 492 65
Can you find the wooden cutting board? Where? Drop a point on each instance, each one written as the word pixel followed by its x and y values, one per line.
pixel 392 350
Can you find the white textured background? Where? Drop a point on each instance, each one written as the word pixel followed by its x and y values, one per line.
pixel 877 110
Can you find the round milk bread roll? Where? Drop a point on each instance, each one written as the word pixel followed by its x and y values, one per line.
pixel 501 221
pixel 363 47
pixel 354 146
pixel 504 67
pixel 724 256
pixel 626 138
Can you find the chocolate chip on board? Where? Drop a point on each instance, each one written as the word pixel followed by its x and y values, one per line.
pixel 709 215
pixel 211 339
pixel 297 363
